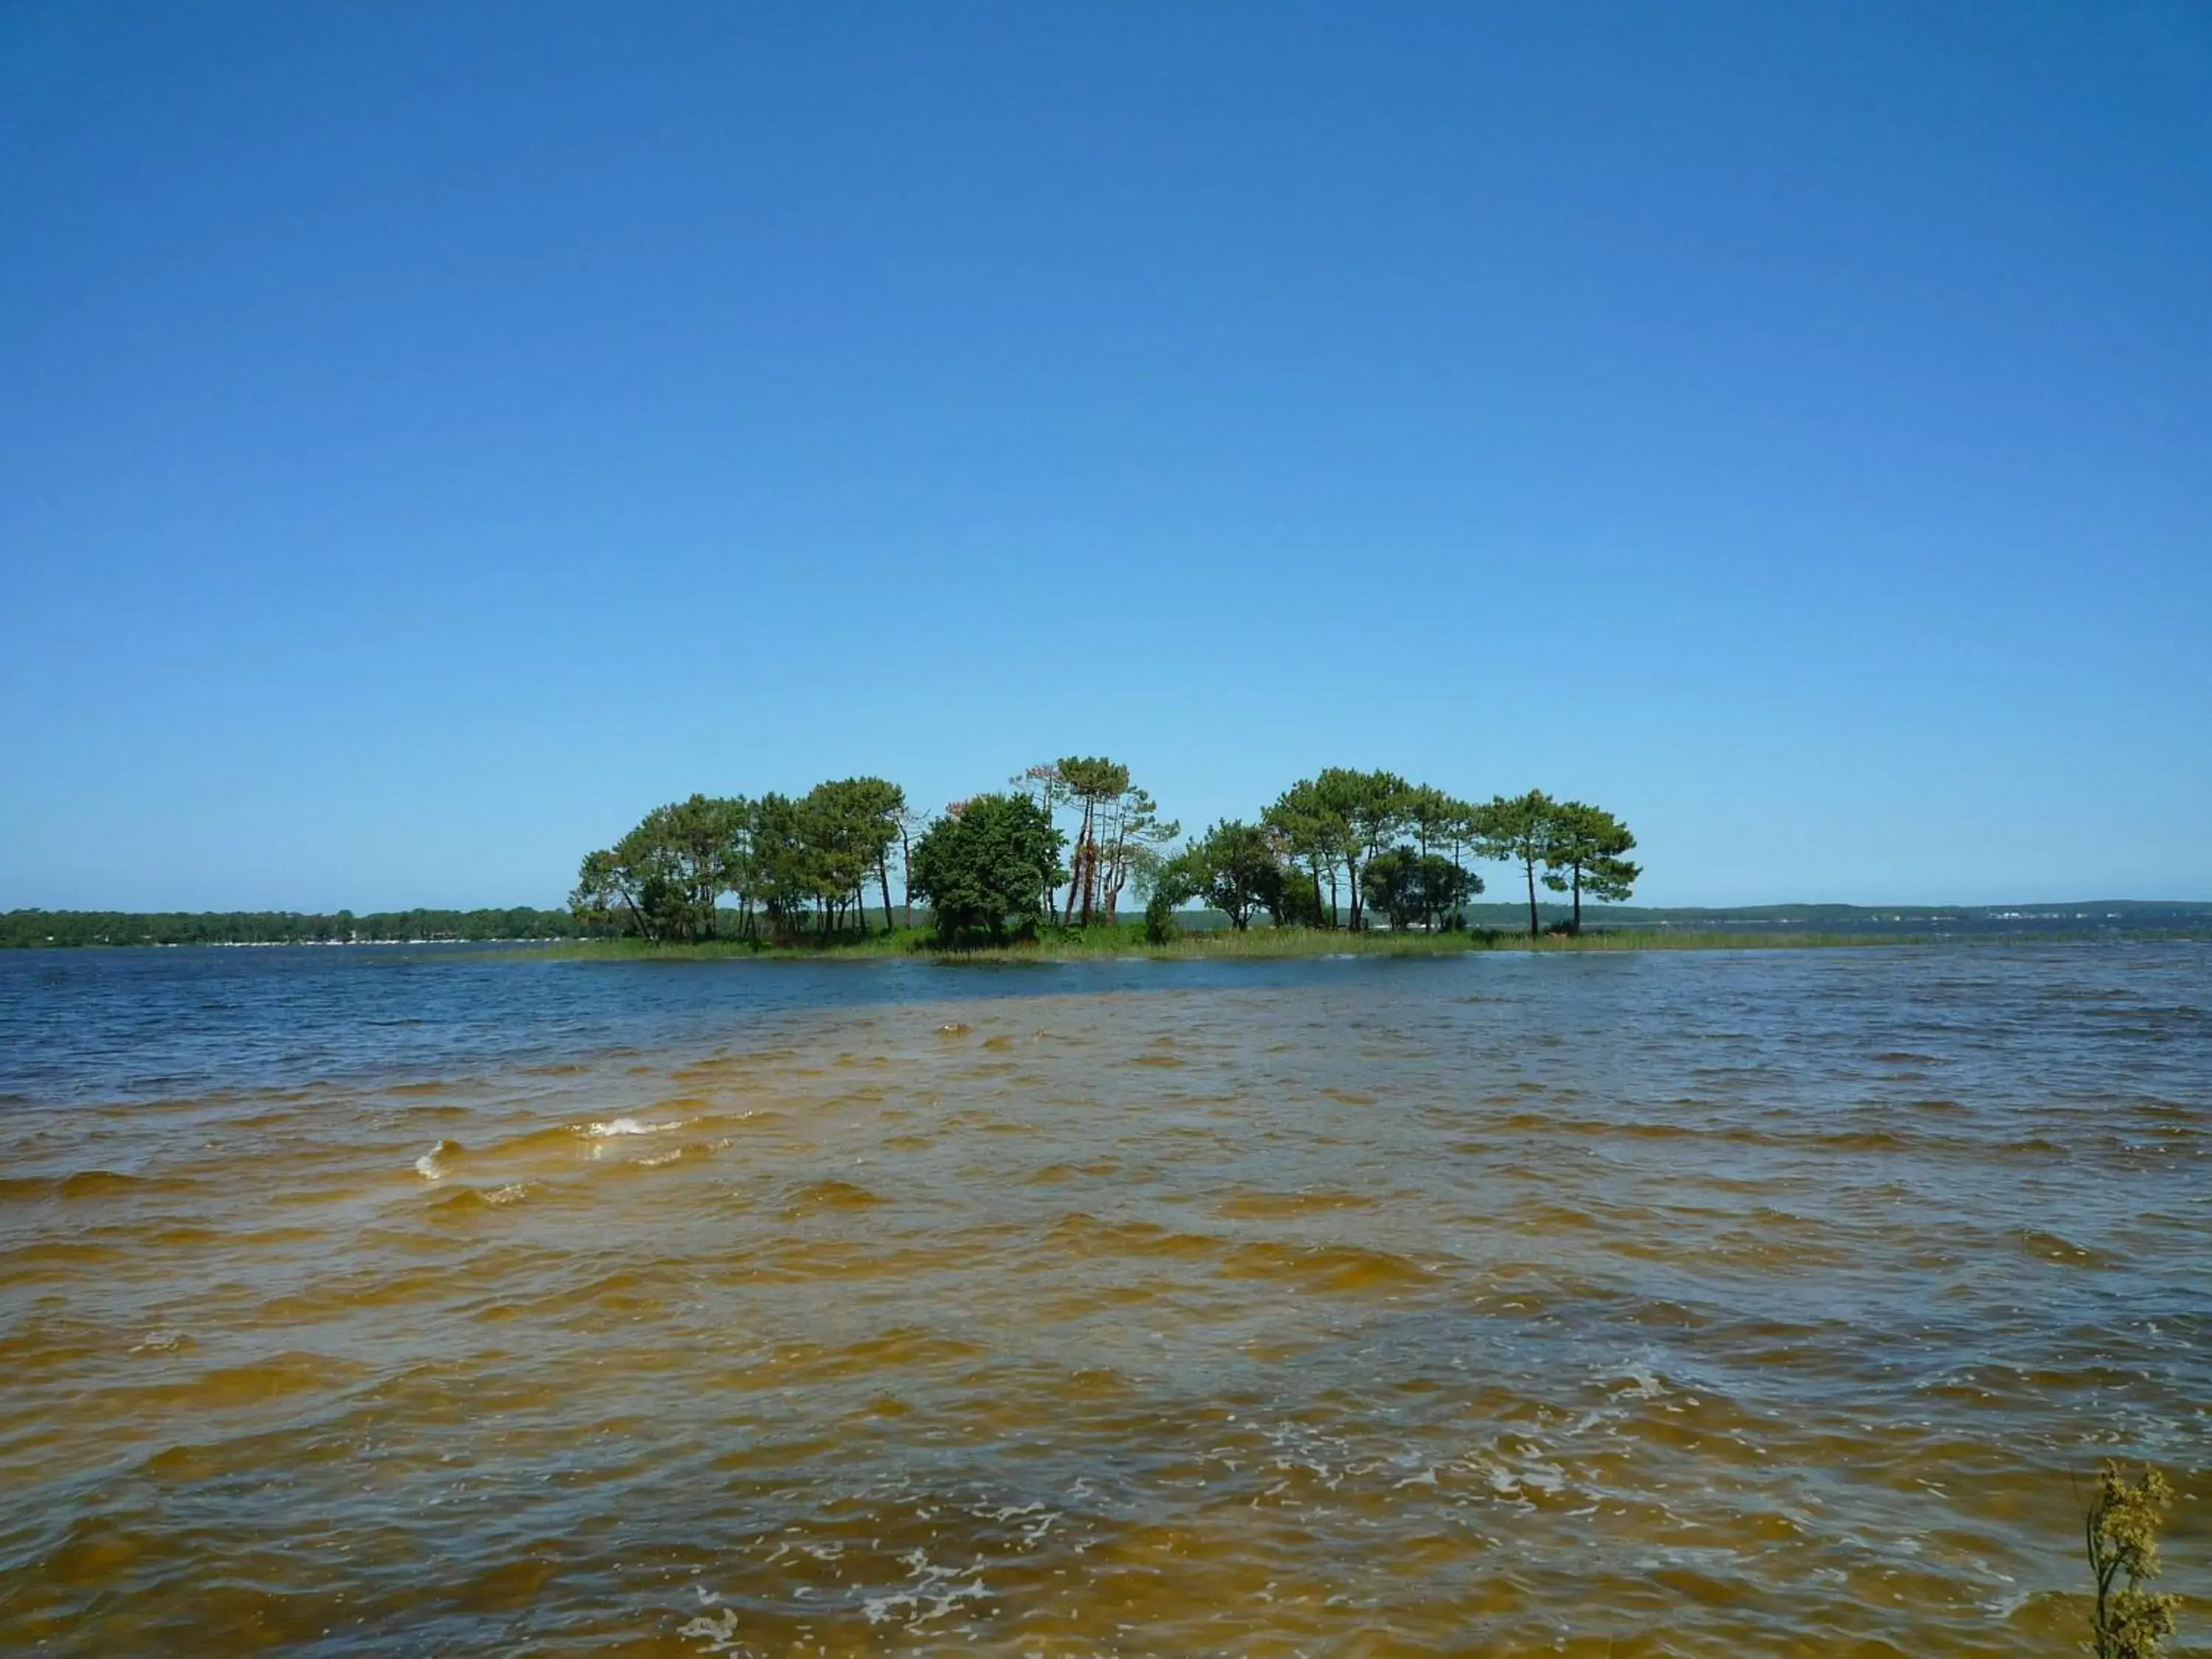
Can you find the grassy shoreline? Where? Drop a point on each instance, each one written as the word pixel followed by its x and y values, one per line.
pixel 1258 943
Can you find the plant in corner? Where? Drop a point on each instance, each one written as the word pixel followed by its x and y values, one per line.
pixel 2128 1622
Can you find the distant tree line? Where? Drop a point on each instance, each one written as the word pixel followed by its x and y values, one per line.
pixel 796 864
pixel 36 927
pixel 1064 843
pixel 1372 842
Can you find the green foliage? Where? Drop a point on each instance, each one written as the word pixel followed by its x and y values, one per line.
pixel 1409 886
pixel 1235 868
pixel 665 879
pixel 1296 902
pixel 1313 819
pixel 1118 829
pixel 1517 829
pixel 801 868
pixel 1585 851
pixel 2128 1622
pixel 1370 809
pixel 987 868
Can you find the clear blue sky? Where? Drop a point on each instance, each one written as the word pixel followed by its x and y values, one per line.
pixel 430 436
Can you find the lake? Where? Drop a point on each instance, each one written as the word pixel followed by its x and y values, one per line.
pixel 412 1301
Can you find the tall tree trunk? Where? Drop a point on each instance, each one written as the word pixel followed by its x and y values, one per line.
pixel 1578 927
pixel 1075 868
pixel 1110 888
pixel 905 874
pixel 1529 866
pixel 883 878
pixel 1351 880
pixel 1335 919
pixel 1083 877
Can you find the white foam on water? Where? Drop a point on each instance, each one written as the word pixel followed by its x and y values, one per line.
pixel 629 1126
pixel 935 1592
pixel 513 1193
pixel 437 1164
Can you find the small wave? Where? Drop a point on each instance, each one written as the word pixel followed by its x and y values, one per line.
pixel 832 1195
pixel 628 1125
pixel 2054 1247
pixel 1342 1268
pixel 1263 1206
pixel 438 1162
pixel 107 1184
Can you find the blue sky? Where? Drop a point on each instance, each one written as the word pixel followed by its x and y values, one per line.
pixel 431 435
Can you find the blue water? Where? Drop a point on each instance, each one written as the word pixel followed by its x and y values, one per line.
pixel 407 1299
pixel 154 1024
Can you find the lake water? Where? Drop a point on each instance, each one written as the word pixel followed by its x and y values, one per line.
pixel 1777 1303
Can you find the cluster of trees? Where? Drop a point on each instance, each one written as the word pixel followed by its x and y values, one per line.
pixel 794 863
pixel 1118 832
pixel 1335 849
pixel 58 927
pixel 1400 848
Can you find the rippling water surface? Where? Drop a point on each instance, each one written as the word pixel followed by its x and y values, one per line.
pixel 1769 1303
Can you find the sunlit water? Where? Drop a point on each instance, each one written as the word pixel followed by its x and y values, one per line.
pixel 1771 1303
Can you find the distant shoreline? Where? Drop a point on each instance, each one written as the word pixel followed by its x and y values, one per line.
pixel 1262 944
pixel 1489 926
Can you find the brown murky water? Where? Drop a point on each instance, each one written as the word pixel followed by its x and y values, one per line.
pixel 1764 1303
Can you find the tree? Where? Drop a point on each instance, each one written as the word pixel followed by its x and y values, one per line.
pixel 1517 831
pixel 1460 829
pixel 1090 783
pixel 882 807
pixel 1043 784
pixel 986 868
pixel 1166 884
pixel 1371 807
pixel 1429 813
pixel 1407 885
pixel 1583 853
pixel 912 821
pixel 1295 902
pixel 707 840
pixel 592 903
pixel 1234 868
pixel 782 873
pixel 1313 826
pixel 853 824
pixel 670 871
pixel 1131 829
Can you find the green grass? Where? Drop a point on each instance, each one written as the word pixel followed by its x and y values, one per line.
pixel 904 941
pixel 1258 943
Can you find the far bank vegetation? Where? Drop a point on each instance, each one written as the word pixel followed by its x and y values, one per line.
pixel 1070 847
